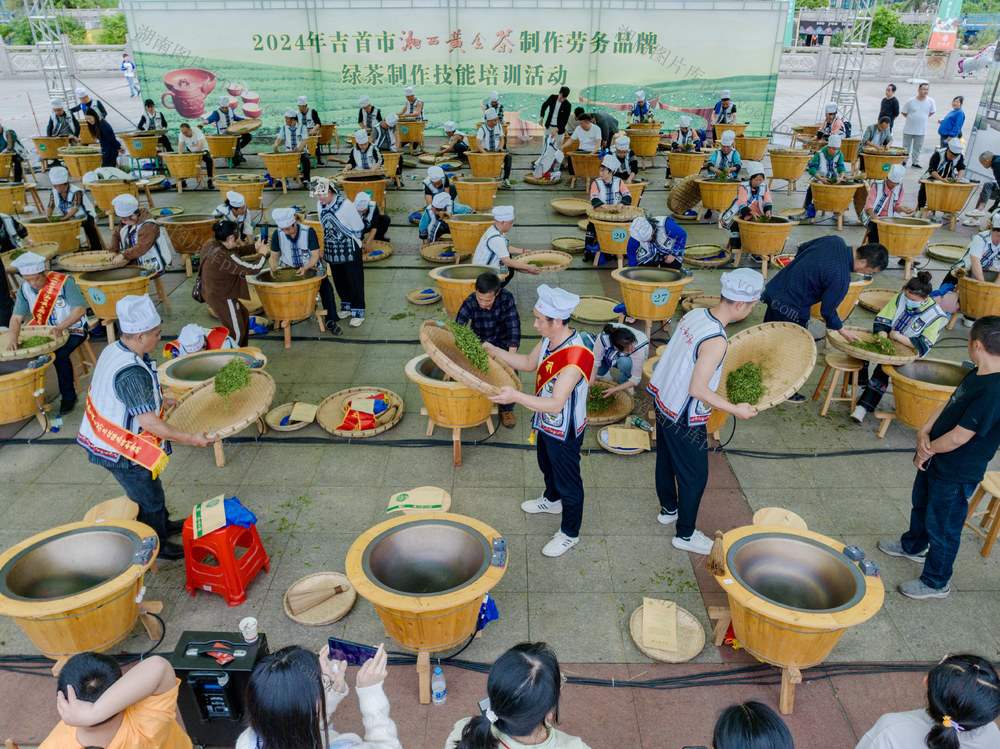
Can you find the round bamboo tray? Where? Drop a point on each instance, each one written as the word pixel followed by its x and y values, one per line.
pixel 424 296
pixel 789 164
pixel 612 237
pixel 602 439
pixel 582 224
pixel 438 252
pixel 596 310
pixel 284 165
pixel 188 232
pixel 326 612
pixel 105 190
pixel 381 250
pixel 476 192
pixel 290 298
pixel 650 294
pixel 439 343
pixel 737 128
pixel 686 163
pixel 858 284
pixel 585 165
pixel 765 238
pixel 570 206
pixel 18 385
pixel 411 131
pixel 47 250
pixel 182 165
pixel 621 214
pixel 782 635
pixel 66 234
pixel 326 133
pixel 531 179
pixel 275 415
pixel 245 126
pixel 644 141
pixel 28 331
pixel 373 185
pixel 428 622
pixel 874 300
pixel 467 229
pixel 333 409
pixel 221 146
pixel 104 288
pixel 689 303
pixel 251 188
pixel 203 410
pixel 751 148
pixel 878 163
pixel 140 146
pixel 48 147
pixel 905 237
pixel 717 195
pixel 94 618
pixel 685 196
pixel 978 298
pixel 572 245
pixel 80 159
pixel 622 406
pixel 81 262
pixel 487 165
pixel 948 197
pixel 690 638
pixel 449 404
pixel 551 260
pixel 191 370
pixel 786 351
pixel 921 386
pixel 12 198
pixel 946 253
pixel 904 354
pixel 706 256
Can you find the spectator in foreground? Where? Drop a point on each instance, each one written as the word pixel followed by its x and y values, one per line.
pixel 963 700
pixel 522 704
pixel 752 725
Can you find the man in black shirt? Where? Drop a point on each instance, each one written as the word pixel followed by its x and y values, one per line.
pixel 557 107
pixel 953 449
pixel 890 105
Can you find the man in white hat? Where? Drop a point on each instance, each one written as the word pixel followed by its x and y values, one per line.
pixel 136 237
pixel 437 181
pixel 222 118
pixel 628 164
pixel 69 202
pixel 235 209
pixel 293 136
pixel 658 242
pixel 753 198
pixel 456 142
pixel 368 115
pixel 832 124
pixel 490 139
pixel 494 248
pixel 683 385
pixel 193 140
pixel 376 222
pixel 61 123
pixel 885 200
pixel 46 298
pixel 194 338
pixel 724 113
pixel 946 163
pixel 86 103
pixel 295 245
pixel 123 429
pixel 640 108
pixel 309 117
pixel 434 221
pixel 413 108
pixel 826 166
pixel 363 155
pixel 563 363
pixel 606 191
pixel 493 101
pixel 549 164
pixel 385 137
pixel 342 228
pixel 725 159
pixel 916 113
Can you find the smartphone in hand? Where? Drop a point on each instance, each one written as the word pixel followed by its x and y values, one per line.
pixel 352 652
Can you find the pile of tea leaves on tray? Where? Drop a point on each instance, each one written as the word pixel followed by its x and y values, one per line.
pixel 35 340
pixel 597 401
pixel 536 263
pixel 469 344
pixel 878 345
pixel 745 384
pixel 232 378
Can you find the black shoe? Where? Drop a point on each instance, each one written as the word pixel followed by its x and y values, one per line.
pixel 588 257
pixel 916 165
pixel 708 215
pixel 210 185
pixel 171 551
pixel 333 328
pixel 174 527
pixel 66 406
pixel 796 398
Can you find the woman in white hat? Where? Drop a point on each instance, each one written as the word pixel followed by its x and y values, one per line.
pixel 564 363
pixel 86 103
pixel 235 210
pixel 293 136
pixel 825 166
pixel 136 236
pixel 376 222
pixel 832 124
pixel 456 141
pixel 658 242
pixel 605 191
pixel 222 118
pixel 640 108
pixel 946 164
pixel 69 202
pixel 493 101
pixel 884 200
pixel 342 249
pixel 363 155
pixel 490 139
pixel 368 115
pixel 753 199
pixel 628 168
pixel 413 108
pixel 309 117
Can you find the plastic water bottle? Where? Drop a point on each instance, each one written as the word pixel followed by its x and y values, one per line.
pixel 439 692
pixel 55 423
pixel 642 424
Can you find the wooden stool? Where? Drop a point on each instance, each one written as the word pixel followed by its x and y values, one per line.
pixel 988 487
pixel 84 361
pixel 835 364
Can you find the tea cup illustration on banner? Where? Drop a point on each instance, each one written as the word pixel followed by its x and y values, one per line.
pixel 234 88
pixel 187 89
pixel 251 97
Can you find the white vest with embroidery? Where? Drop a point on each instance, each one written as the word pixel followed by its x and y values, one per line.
pixel 890 210
pixel 575 409
pixel 367 159
pixel 486 256
pixel 65 205
pixel 156 257
pixel 609 193
pixel 485 133
pixel 60 311
pixel 294 253
pixel 225 212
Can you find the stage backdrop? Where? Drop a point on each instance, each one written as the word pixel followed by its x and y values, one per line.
pixel 188 53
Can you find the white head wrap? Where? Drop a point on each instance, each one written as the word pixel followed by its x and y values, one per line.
pixel 235 199
pixel 684 121
pixel 490 113
pixel 555 302
pixel 622 142
pixel 742 285
pixel 57 103
pixel 58 175
pixel 125 205
pixel 503 212
pixel 291 113
pixel 724 94
pixel 29 263
pixel 302 101
pixel 831 108
pixel 364 101
pixel 81 92
pixel 136 314
pixel 640 229
pixel 955 146
pixel 495 96
pixel 995 221
pixel 441 201
pixel 191 338
pixel 408 90
pixel 611 162
pixel 435 173
pixel 360 137
pixel 834 141
pixel 728 138
pixel 449 126
pixel 361 201
pixel 283 217
pixel 224 100
pixel 896 173
pixel 753 167
pixel 391 119
pixel 640 95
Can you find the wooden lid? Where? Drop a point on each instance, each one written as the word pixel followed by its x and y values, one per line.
pixel 333 609
pixel 779 516
pixel 690 637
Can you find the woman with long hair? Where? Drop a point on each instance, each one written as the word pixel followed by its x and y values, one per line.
pixel 105 136
pixel 963 700
pixel 523 691
pixel 752 725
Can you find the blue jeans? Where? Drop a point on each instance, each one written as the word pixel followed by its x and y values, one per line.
pixel 623 365
pixel 132 85
pixel 147 492
pixel 936 519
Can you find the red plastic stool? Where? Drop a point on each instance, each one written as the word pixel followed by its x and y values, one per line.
pixel 229 574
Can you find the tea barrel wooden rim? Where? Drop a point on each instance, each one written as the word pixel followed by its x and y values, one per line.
pixel 923 384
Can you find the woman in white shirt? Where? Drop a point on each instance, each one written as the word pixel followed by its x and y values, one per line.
pixel 194 141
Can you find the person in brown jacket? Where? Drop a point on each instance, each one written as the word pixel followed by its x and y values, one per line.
pixel 225 264
pixel 136 237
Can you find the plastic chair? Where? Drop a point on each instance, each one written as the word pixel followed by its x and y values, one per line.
pixel 229 573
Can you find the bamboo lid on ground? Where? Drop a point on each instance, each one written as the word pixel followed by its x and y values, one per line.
pixel 327 610
pixel 690 638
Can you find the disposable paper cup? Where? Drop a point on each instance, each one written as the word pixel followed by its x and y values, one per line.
pixel 249 629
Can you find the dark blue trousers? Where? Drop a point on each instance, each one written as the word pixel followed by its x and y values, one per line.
pixel 559 463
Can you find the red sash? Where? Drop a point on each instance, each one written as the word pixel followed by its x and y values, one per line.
pixel 46 300
pixel 143 448
pixel 578 356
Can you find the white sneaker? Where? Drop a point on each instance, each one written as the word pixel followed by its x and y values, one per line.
pixel 859 414
pixel 535 506
pixel 343 314
pixel 970 222
pixel 976 213
pixel 666 518
pixel 699 543
pixel 559 545
pixel 356 322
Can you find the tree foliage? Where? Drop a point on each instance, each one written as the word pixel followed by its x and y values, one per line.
pixel 812 4
pixel 887 23
pixel 113 29
pixel 20 30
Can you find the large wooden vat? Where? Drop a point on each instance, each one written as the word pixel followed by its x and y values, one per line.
pixel 66 234
pixel 284 165
pixel 222 146
pixel 849 147
pixel 449 404
pixel 685 163
pixel 650 294
pixel 411 131
pixel 426 574
pixel 476 192
pixel 139 145
pixel 488 165
pixel 374 186
pixel 837 197
pixel 188 232
pixel 467 229
pixel 752 148
pixel 18 386
pixel 182 166
pixel 586 166
pixel 878 163
pixel 644 143
pixel 635 189
pixel 905 238
pixel 979 298
pixel 850 301
pixel 612 238
pixel 717 195
pixel 456 282
pixel 103 288
pixel 80 159
pixel 737 128
pixel 921 386
pixel 286 297
pixel 251 188
pixel 106 190
pixel 48 148
pixel 764 238
pixel 948 197
pixel 12 198
pixel 788 164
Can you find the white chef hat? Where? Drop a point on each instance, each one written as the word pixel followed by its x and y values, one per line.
pixel 495 96
pixel 640 95
pixel 611 162
pixel 291 113
pixel 449 126
pixel 435 173
pixel 955 145
pixel 728 138
pixel 503 212
pixel 236 199
pixel 556 303
pixel 622 142
pixel 58 175
pixel 191 338
pixel 224 100
pixel 81 92
pixel 29 263
pixel 896 173
pixel 391 119
pixel 831 107
pixel 994 221
pixel 753 167
pixel 361 201
pixel 302 101
pixel 408 90
pixel 724 94
pixel 57 103
pixel 834 141
pixel 283 217
pixel 125 205
pixel 360 137
pixel 441 201
pixel 490 113
pixel 364 100
pixel 742 285
pixel 684 121
pixel 640 229
pixel 136 314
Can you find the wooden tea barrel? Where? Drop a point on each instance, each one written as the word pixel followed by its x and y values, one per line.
pixel 788 164
pixel 737 128
pixel 390 162
pixel 905 237
pixel 921 386
pixel 449 404
pixel 327 132
pixel 836 198
pixel 252 189
pixel 48 148
pixel 978 298
pixel 466 230
pixel 848 147
pixel 486 164
pixel 18 386
pixel 752 148
pixel 585 165
pixel 456 282
pixel 636 188
pixel 182 165
pixel 106 190
pixel 686 163
pixel 188 233
pixel 6 165
pixel 612 237
pixel 312 220
pixel 764 238
pixel 645 143
pixel 717 195
pixel 103 288
pixel 80 159
pixel 139 145
pixel 221 146
pixel 948 197
pixel 411 131
pixel 858 284
pixel 876 164
pixel 650 294
pixel 12 198
pixel 476 192
pixel 375 186
pixel 289 298
pixel 66 234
